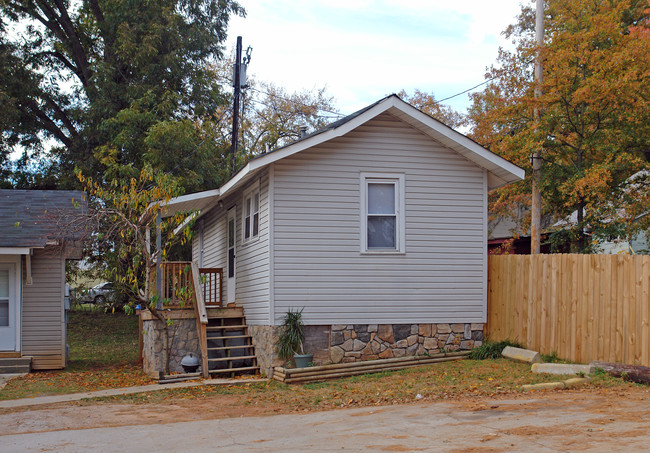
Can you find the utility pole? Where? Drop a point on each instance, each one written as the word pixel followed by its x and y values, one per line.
pixel 239 83
pixel 235 105
pixel 536 208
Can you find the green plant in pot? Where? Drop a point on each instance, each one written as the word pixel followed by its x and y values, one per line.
pixel 290 344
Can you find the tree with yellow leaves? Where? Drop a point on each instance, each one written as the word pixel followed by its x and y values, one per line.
pixel 594 130
pixel 120 214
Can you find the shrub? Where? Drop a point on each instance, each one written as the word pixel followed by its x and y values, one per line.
pixel 491 349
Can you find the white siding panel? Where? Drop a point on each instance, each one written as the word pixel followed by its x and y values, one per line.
pixel 317 262
pixel 43 326
pixel 252 258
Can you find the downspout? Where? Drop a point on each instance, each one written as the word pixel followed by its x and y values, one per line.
pixel 28 268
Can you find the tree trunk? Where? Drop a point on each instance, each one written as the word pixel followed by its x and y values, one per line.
pixel 634 373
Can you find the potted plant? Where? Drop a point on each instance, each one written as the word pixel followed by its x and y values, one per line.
pixel 290 342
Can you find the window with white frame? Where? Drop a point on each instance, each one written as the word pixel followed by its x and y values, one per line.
pixel 251 221
pixel 382 217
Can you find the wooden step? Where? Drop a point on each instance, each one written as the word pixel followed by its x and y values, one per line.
pixel 234 370
pixel 213 328
pixel 224 313
pixel 228 337
pixel 226 359
pixel 15 365
pixel 225 348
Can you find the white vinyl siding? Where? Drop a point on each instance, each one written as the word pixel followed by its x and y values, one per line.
pixel 317 264
pixel 252 257
pixel 43 323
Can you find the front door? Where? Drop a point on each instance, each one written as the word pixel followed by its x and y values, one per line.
pixel 232 248
pixel 8 306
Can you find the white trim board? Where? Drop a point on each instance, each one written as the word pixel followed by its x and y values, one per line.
pixel 500 171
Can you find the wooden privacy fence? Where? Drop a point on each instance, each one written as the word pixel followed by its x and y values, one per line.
pixel 583 307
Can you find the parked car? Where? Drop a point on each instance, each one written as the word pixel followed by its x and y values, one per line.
pixel 99 294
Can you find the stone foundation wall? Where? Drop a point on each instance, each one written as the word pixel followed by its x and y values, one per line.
pixel 185 341
pixel 353 342
pixel 264 338
pixel 329 344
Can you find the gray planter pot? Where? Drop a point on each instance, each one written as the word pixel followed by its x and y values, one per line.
pixel 303 360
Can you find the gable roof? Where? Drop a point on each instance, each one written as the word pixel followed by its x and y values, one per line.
pixel 28 217
pixel 500 171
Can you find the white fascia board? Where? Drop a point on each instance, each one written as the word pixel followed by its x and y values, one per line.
pixel 189 202
pixel 15 250
pixel 241 174
pixel 317 139
pixel 502 171
pixel 185 222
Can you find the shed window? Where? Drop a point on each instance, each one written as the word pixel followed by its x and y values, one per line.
pixel 251 215
pixel 382 226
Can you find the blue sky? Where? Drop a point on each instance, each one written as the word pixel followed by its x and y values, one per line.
pixel 363 50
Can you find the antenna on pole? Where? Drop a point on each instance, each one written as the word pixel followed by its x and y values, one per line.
pixel 536 205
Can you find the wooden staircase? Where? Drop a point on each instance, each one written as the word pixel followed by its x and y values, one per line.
pixel 229 346
pixel 226 346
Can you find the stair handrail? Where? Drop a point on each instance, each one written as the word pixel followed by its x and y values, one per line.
pixel 201 318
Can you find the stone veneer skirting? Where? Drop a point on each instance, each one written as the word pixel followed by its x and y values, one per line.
pixel 185 341
pixel 338 343
pixel 352 342
pixel 264 338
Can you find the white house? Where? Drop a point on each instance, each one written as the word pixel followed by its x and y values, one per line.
pixel 376 226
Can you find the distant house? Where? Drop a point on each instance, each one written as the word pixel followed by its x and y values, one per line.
pixel 376 225
pixel 33 250
pixel 505 234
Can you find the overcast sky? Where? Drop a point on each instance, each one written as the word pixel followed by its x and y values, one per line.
pixel 363 50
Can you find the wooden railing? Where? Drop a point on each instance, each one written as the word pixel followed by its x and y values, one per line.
pixel 211 278
pixel 201 319
pixel 179 289
pixel 185 285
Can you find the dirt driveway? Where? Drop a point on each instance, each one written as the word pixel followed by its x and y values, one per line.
pixel 550 421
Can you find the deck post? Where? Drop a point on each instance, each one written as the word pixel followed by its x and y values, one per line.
pixel 158 261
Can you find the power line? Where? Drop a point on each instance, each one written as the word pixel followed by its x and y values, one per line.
pixel 286 111
pixel 463 92
pixel 296 102
pixel 340 115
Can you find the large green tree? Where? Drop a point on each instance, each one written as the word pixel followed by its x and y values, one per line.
pixel 594 130
pixel 107 85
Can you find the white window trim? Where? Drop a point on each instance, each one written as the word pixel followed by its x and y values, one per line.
pixel 250 192
pixel 17 262
pixel 400 198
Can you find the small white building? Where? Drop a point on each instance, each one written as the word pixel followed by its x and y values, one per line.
pixel 376 226
pixel 33 250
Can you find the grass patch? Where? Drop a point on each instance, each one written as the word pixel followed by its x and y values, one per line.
pixel 103 354
pixel 448 380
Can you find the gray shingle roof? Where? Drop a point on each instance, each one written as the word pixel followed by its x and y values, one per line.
pixel 28 218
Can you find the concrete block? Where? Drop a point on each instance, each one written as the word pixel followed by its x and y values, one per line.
pixel 543 386
pixel 561 368
pixel 573 382
pixel 521 355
